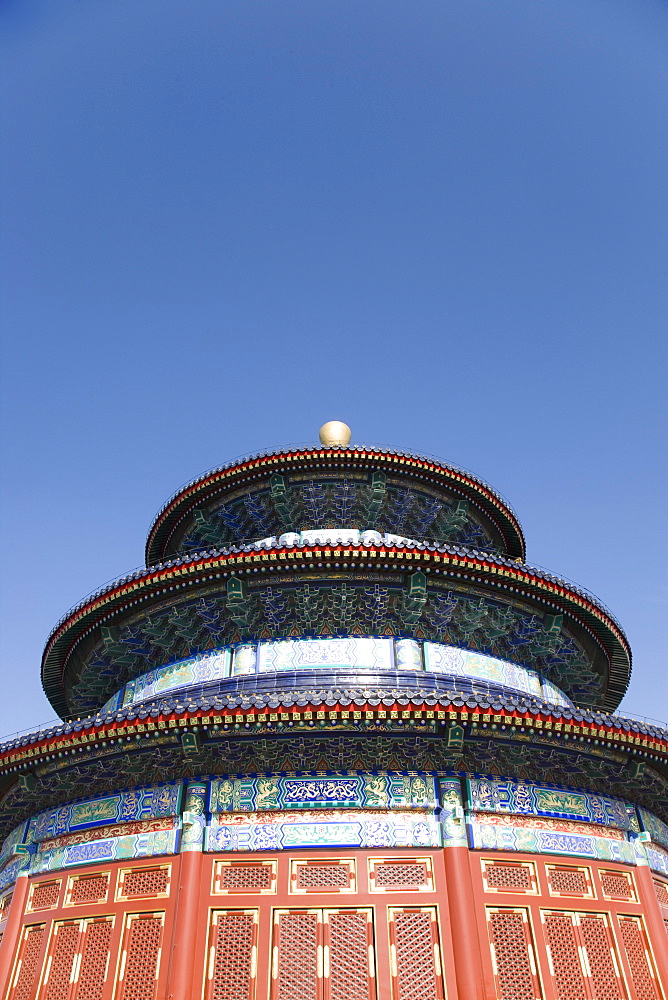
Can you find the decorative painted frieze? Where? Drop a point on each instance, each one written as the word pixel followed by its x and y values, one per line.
pixel 17 836
pixel 325 829
pixel 453 826
pixel 141 845
pixel 330 653
pixel 194 816
pixel 133 804
pixel 362 791
pixel 657 859
pixel 486 833
pixel 9 874
pixel 657 829
pixel 504 796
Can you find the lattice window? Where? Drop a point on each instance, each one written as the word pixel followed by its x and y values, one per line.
pixel 325 953
pixel 233 876
pixel 144 882
pixel 501 876
pixel 322 876
pixel 44 895
pixel 415 949
pixel 617 885
pixel 5 903
pixel 569 881
pixel 348 933
pixel 512 954
pixel 141 954
pixel 233 955
pixel 584 961
pixel 28 965
pixel 297 955
pixel 603 970
pixel 87 889
pixel 394 875
pixel 661 890
pixel 564 952
pixel 639 958
pixel 63 949
pixel 94 965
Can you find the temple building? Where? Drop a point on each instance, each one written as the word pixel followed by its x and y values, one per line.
pixel 337 741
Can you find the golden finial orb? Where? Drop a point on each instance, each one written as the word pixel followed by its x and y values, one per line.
pixel 335 434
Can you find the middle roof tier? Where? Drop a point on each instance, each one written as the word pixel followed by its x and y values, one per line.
pixel 296 587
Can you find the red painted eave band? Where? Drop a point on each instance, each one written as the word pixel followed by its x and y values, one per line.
pixel 442 712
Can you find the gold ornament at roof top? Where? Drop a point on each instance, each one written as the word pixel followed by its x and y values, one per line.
pixel 335 434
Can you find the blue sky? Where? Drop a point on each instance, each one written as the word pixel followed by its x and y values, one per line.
pixel 225 222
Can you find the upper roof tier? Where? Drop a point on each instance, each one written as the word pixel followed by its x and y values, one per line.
pixel 335 487
pixel 334 542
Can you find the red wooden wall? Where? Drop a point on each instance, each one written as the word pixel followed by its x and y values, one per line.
pixel 320 926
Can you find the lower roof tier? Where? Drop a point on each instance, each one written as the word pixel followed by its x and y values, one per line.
pixel 281 590
pixel 249 731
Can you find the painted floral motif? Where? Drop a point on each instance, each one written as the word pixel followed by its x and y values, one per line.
pixel 657 859
pixel 555 825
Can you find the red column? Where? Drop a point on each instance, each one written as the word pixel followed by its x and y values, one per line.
pixel 463 925
pixel 12 932
pixel 654 922
pixel 184 981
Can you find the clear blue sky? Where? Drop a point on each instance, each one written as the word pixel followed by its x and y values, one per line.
pixel 226 221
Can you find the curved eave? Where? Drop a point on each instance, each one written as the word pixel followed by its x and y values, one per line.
pixel 133 730
pixel 497 574
pixel 162 530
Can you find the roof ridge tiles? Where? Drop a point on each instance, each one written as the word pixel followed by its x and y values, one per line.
pixel 356 450
pixel 230 700
pixel 464 552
